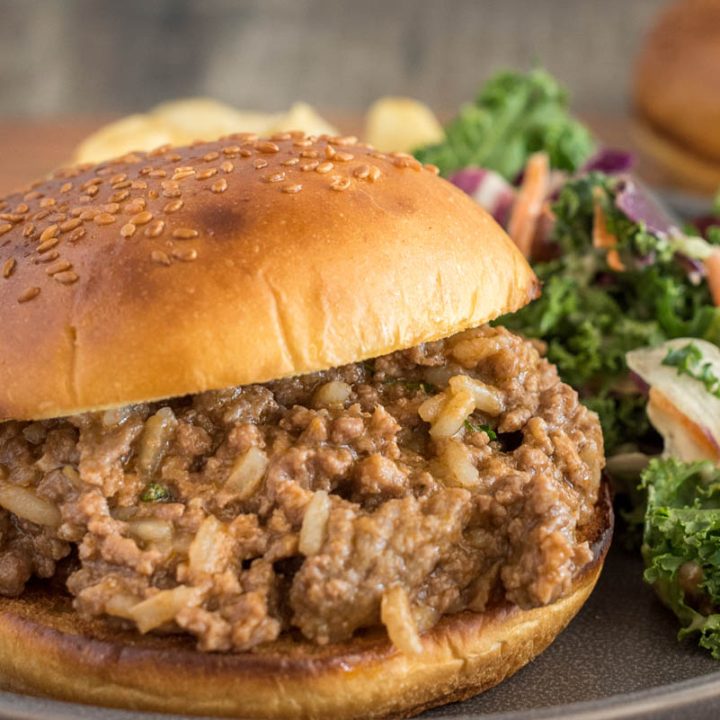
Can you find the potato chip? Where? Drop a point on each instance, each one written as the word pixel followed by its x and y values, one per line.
pixel 401 124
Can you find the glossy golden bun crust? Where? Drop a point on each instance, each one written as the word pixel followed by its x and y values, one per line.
pixel 235 262
pixel 46 649
pixel 677 92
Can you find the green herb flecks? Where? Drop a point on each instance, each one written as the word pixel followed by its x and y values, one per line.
pixel 155 492
pixel 688 360
pixel 476 427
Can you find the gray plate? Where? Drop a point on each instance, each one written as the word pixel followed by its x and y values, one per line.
pixel 619 659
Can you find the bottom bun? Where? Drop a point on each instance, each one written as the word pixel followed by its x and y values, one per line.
pixel 47 649
pixel 683 167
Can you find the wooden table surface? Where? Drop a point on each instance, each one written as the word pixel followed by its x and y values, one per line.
pixel 28 149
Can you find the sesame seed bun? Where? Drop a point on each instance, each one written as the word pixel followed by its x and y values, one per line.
pixel 235 262
pixel 46 649
pixel 677 93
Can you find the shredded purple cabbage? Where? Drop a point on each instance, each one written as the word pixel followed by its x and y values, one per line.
pixel 489 189
pixel 642 208
pixel 609 161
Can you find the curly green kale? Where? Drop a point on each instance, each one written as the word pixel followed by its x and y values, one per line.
pixel 681 544
pixel 514 115
pixel 591 315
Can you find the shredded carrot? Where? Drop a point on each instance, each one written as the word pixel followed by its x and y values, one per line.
pixel 601 235
pixel 712 268
pixel 529 202
pixel 614 262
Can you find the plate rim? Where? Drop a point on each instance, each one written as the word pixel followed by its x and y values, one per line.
pixel 646 703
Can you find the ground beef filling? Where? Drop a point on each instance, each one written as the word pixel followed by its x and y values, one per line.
pixel 397 490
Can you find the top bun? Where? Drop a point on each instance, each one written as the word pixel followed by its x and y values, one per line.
pixel 677 79
pixel 235 262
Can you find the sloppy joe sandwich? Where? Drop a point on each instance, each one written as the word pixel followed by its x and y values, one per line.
pixel 262 454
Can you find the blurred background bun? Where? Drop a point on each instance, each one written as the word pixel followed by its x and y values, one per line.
pixel 677 93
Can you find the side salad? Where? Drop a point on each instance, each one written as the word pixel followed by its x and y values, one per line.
pixel 629 314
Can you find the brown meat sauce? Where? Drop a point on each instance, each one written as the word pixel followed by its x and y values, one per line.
pixel 240 514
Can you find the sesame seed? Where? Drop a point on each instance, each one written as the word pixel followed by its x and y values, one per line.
pixel 227 166
pixel 161 150
pixel 205 174
pixel 186 255
pixel 245 152
pixel 281 136
pixel 49 232
pixel 220 186
pixel 231 150
pixel 346 140
pixel 138 185
pixel 154 229
pixel 374 173
pixel 66 278
pixel 28 230
pixel 76 234
pixel 325 167
pixel 66 187
pixel 8 267
pixel 172 191
pixel 183 172
pixel 185 233
pixel 153 194
pixel 21 209
pixel 15 218
pixel 209 157
pixel 136 205
pixel 47 244
pixel 340 183
pixel 329 152
pixel 173 157
pixel 343 156
pixel 119 196
pixel 58 267
pixel 267 147
pixel 69 225
pixel 104 218
pixel 260 163
pixel 302 142
pixel 309 165
pixel 361 171
pixel 88 214
pixel 434 169
pixel 275 177
pixel 111 208
pixel 28 294
pixel 128 230
pixel 121 177
pixel 290 162
pixel 160 257
pixel 90 192
pixel 173 206
pixel 121 185
pixel 48 257
pixel 159 173
pixel 34 195
pixel 5 227
pixel 142 218
pixel 294 188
